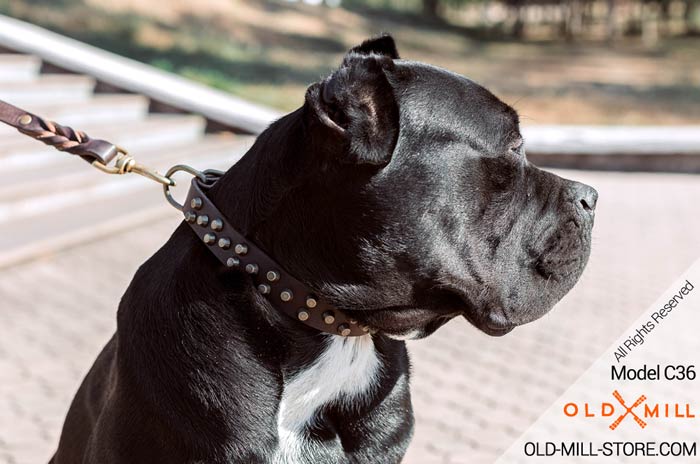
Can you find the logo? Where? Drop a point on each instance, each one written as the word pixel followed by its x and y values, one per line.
pixel 628 410
pixel 641 410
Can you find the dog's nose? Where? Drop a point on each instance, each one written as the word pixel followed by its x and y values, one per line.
pixel 585 196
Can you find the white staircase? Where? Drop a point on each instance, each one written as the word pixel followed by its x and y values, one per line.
pixel 51 200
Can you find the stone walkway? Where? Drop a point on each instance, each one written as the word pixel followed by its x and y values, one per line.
pixel 473 394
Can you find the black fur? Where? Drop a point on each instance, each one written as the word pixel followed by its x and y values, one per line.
pixel 400 193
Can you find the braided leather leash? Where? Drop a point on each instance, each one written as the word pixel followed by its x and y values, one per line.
pixel 60 137
pixel 97 152
pixel 286 294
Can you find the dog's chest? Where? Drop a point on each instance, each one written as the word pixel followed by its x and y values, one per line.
pixel 346 371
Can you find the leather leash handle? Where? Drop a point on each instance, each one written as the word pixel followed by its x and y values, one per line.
pixel 62 138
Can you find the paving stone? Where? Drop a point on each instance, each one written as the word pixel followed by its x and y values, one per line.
pixel 473 395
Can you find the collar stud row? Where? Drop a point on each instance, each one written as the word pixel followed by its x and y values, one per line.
pixel 282 290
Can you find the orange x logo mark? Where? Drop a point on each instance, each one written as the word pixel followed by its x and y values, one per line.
pixel 628 410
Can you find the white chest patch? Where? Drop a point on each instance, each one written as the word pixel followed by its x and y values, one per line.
pixel 345 371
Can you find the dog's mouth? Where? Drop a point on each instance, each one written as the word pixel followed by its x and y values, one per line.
pixel 493 322
pixel 493 326
pixel 446 304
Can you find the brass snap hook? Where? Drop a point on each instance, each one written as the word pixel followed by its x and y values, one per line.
pixel 126 163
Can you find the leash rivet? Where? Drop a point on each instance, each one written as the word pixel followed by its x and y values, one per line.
pixel 203 220
pixel 311 302
pixel 273 276
pixel 231 262
pixel 26 119
pixel 241 248
pixel 224 243
pixel 251 268
pixel 302 315
pixel 352 321
pixel 196 203
pixel 286 295
pixel 209 239
pixel 328 317
pixel 217 224
pixel 190 217
pixel 344 330
pixel 264 289
pixel 364 328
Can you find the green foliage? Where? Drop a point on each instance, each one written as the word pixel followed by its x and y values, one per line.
pixel 274 65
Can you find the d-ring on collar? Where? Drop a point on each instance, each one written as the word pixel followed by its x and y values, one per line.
pixel 283 291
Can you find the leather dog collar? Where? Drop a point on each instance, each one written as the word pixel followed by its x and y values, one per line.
pixel 283 291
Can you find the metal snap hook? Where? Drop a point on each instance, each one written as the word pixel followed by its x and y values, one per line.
pixel 180 167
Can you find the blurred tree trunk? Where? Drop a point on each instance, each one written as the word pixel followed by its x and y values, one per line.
pixel 573 19
pixel 430 8
pixel 588 16
pixel 650 23
pixel 519 23
pixel 610 23
pixel 635 18
pixel 690 26
pixel 664 18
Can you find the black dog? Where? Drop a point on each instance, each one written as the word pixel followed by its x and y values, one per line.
pixel 399 192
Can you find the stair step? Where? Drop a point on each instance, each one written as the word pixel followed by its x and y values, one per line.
pixel 53 88
pixel 157 131
pixel 107 108
pixel 15 67
pixel 69 173
pixel 74 217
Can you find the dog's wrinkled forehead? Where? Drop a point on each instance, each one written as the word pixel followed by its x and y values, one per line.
pixel 441 103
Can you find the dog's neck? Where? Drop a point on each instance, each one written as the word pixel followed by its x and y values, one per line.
pixel 251 191
pixel 262 197
pixel 275 196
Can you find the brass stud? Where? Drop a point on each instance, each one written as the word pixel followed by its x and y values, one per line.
pixel 352 321
pixel 224 243
pixel 344 330
pixel 190 217
pixel 302 315
pixel 328 317
pixel 241 249
pixel 264 289
pixel 273 276
pixel 233 262
pixel 311 302
pixel 203 220
pixel 286 295
pixel 26 119
pixel 196 203
pixel 251 268
pixel 364 328
pixel 217 224
pixel 209 239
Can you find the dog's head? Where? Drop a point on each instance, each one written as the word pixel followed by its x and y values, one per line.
pixel 413 202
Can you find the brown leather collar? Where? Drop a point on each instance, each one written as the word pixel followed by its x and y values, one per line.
pixel 283 291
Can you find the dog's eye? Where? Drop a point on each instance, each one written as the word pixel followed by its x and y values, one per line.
pixel 517 146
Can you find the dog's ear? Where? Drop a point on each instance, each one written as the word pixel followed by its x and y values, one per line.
pixel 357 107
pixel 381 45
